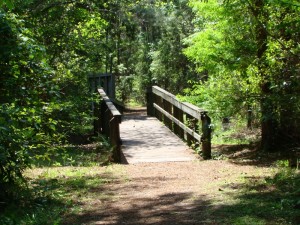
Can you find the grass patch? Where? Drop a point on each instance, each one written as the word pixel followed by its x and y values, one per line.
pixel 59 184
pixel 234 132
pixel 132 103
pixel 262 200
pixel 54 192
pixel 94 154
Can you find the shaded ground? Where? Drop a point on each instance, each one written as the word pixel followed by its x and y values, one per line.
pixel 174 193
pixel 237 189
pixel 231 189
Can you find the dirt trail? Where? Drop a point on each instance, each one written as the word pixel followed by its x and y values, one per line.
pixel 185 193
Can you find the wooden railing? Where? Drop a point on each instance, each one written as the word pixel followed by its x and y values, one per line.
pixel 182 118
pixel 107 122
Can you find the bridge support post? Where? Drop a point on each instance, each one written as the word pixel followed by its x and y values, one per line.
pixel 150 100
pixel 168 107
pixel 206 135
pixel 158 114
pixel 178 114
pixel 114 135
pixel 190 124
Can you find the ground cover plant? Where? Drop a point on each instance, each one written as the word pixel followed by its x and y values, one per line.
pixel 52 186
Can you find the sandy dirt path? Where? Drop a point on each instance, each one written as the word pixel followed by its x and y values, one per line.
pixel 185 193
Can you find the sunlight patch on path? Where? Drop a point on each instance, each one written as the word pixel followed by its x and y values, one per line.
pixel 145 139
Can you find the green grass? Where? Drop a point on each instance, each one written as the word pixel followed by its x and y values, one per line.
pixel 59 184
pixel 57 191
pixel 94 154
pixel 133 104
pixel 235 133
pixel 257 200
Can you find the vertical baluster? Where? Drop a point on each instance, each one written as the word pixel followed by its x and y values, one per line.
pixel 114 136
pixel 158 101
pixel 190 123
pixel 178 114
pixel 167 106
pixel 150 101
pixel 206 135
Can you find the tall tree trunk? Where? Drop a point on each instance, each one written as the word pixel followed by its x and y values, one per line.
pixel 268 122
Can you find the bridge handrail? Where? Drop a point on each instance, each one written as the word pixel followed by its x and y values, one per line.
pixel 107 122
pixel 181 117
pixel 109 103
pixel 184 106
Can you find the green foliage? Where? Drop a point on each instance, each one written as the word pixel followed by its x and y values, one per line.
pixel 48 48
pixel 246 52
pixel 8 3
pixel 54 191
pixel 53 186
pixel 28 129
pixel 97 153
pixel 125 86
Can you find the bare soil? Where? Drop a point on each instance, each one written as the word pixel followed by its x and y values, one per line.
pixel 170 193
pixel 185 193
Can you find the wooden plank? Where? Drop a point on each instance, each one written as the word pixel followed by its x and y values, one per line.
pixel 146 139
pixel 184 106
pixel 184 127
pixel 158 101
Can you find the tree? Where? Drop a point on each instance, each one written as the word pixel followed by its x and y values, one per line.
pixel 244 39
pixel 28 96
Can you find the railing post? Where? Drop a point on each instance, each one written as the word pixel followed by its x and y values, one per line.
pixel 158 101
pixel 178 114
pixel 114 135
pixel 190 124
pixel 206 135
pixel 168 107
pixel 150 100
pixel 106 119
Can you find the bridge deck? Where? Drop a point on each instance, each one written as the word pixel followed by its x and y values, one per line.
pixel 146 139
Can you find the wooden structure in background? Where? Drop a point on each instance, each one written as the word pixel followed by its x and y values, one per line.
pixel 186 120
pixel 106 81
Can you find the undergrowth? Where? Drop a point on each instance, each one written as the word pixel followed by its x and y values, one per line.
pixel 271 200
pixel 54 183
pixel 234 132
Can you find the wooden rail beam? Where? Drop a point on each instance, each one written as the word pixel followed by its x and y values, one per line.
pixel 179 123
pixel 171 111
pixel 184 106
pixel 109 120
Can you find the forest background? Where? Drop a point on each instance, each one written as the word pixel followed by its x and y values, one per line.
pixel 236 59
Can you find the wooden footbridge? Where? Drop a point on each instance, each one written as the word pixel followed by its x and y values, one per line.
pixel 162 134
